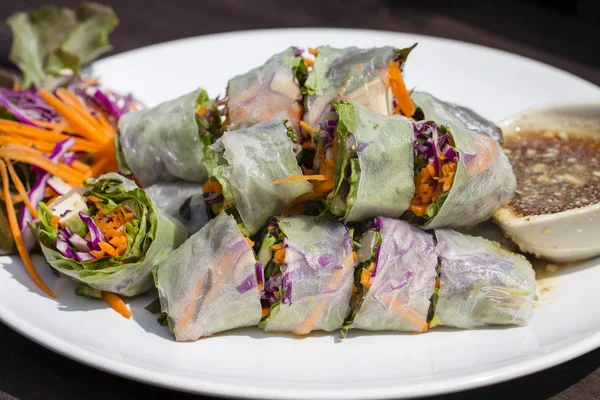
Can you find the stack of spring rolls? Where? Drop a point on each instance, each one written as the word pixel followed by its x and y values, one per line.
pixel 320 195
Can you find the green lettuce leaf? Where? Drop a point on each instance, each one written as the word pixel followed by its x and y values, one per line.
pixel 53 39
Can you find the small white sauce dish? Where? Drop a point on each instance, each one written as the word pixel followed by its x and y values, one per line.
pixel 566 236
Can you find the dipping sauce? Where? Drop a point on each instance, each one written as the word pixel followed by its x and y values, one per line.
pixel 556 171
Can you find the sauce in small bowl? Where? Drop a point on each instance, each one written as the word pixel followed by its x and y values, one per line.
pixel 555 154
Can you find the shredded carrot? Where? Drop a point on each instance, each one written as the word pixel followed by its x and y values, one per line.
pixel 314 317
pixel 308 145
pixel 398 87
pixel 97 253
pixel 31 156
pixel 354 255
pixel 277 246
pixel 250 242
pixel 20 188
pixel 91 81
pixel 306 127
pixel 406 312
pixel 279 256
pixel 212 186
pixel 16 85
pixel 295 178
pixel 308 197
pixel 266 311
pixel 54 221
pixel 202 110
pixel 116 304
pixel 294 209
pixel 308 61
pixel 312 51
pixel 108 249
pixel 365 278
pixel 16 232
pixel 52 200
pixel 83 126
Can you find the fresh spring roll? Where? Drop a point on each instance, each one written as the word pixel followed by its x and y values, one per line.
pixel 268 91
pixel 394 279
pixel 244 164
pixel 167 142
pixel 360 75
pixel 308 269
pixel 461 176
pixel 481 283
pixel 108 234
pixel 357 151
pixel 183 201
pixel 209 284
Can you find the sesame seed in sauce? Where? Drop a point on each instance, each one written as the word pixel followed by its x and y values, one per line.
pixel 556 171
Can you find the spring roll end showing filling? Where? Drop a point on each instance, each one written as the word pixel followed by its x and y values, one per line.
pixel 107 234
pixel 371 77
pixel 249 180
pixel 394 279
pixel 267 91
pixel 210 284
pixel 166 143
pixel 460 181
pixel 481 283
pixel 435 164
pixel 308 275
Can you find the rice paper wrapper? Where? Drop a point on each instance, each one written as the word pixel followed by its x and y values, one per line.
pixel 254 158
pixel 360 75
pixel 163 143
pixel 209 284
pixel 484 178
pixel 123 276
pixel 481 283
pixel 401 290
pixel 181 200
pixel 317 276
pixel 384 148
pixel 459 114
pixel 266 92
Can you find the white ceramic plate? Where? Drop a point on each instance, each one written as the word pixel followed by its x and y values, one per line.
pixel 250 364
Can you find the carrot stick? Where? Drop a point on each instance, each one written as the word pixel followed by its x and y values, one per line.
pixel 308 197
pixel 296 178
pixel 399 89
pixel 13 128
pixel 313 318
pixel 117 304
pixel 81 167
pixel 20 188
pixel 306 127
pixel 63 171
pixel 16 232
pixel 406 313
pixel 84 128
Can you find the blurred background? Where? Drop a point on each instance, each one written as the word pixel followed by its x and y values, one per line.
pixel 565 34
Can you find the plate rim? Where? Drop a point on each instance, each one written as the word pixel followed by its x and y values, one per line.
pixel 188 384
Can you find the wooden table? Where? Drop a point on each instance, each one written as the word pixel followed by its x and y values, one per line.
pixel 28 371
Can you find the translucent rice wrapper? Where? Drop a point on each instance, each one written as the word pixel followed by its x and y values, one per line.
pixel 484 178
pixel 124 275
pixel 360 75
pixel 209 284
pixel 404 281
pixel 163 143
pixel 481 283
pixel 318 271
pixel 459 114
pixel 384 151
pixel 267 91
pixel 248 161
pixel 182 201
